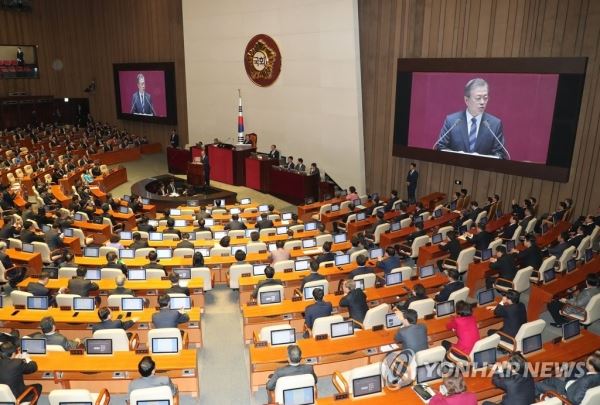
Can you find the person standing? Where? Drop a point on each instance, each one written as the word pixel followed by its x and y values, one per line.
pixel 411 183
pixel 204 160
pixel 20 57
pixel 174 140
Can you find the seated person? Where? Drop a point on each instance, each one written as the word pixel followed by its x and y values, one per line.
pixel 313 276
pixel 509 230
pixel 235 223
pixel 580 299
pixel 576 238
pixel 455 392
pixel 294 368
pixel 138 243
pixel 562 245
pixel 327 255
pixel 279 254
pixel 39 289
pixel 148 379
pixel 175 287
pixel 454 284
pixel 153 258
pixel 171 228
pixel 120 286
pixel 264 222
pixel 317 310
pixel 411 335
pixel 166 317
pixel 79 285
pixel 144 226
pixel 531 255
pixel 269 273
pixel 390 261
pixel 356 246
pixel 104 313
pixel 4 258
pixel 352 194
pixel 503 264
pixel 391 201
pixel 225 241
pixel 512 312
pixel 465 327
pixel 356 302
pixel 370 233
pixel 516 382
pixel 113 262
pixel 573 389
pixel 30 234
pixel 185 242
pixel 240 257
pixel 418 232
pixel 52 337
pixel 114 241
pixel 14 365
pixel 482 239
pixel 418 293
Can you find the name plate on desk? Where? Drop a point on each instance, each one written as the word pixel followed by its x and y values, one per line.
pixel 296 299
pixel 377 327
pixel 142 351
pixel 260 344
pixel 288 270
pixel 76 352
pixel 338 397
pixel 251 304
pixel 288 317
pixel 323 336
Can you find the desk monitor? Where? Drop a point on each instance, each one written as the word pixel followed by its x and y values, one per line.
pixel 192 235
pixel 299 396
pixel 33 346
pixel 153 222
pixel 366 385
pixel 571 265
pixel 341 329
pixel 571 329
pixel 125 235
pixel 27 247
pixel 184 273
pixel 180 303
pixel 437 213
pixel 126 253
pixel 281 230
pixel 484 297
pixel 340 238
pixel 270 297
pixel 549 275
pixel 78 217
pixel 164 253
pixel 1 301
pixel 283 337
pixel 510 245
pixel 392 321
pixel 375 253
pixel 123 210
pixel 309 243
pixel 245 201
pixel 248 232
pixel 204 251
pixel 361 216
pixel 45 228
pixel 174 212
pixel 92 274
pixel 426 271
pixel 394 226
pixel 126 198
pixel 180 223
pixel 335 207
pixel 263 208
pixel 417 219
pixel 429 372
pixel 69 232
pixel 220 235
pixel 192 203
pixel 91 251
pixel 37 303
pixel 393 279
pixel 84 304
pixel 486 254
pixel 286 216
pixel 145 201
pixel 132 304
pixel 588 255
pixel 98 220
pixel 234 249
pixel 341 260
pixel 308 292
pixel 51 271
pixel 300 265
pixel 259 269
pixel 155 236
pixel 436 238
pixel 234 211
pixel 532 343
pixel 310 226
pixel 484 357
pixel 272 247
pixel 136 274
pixel 98 346
pixel 356 202
pixel 209 222
pixel 444 308
pixel 359 284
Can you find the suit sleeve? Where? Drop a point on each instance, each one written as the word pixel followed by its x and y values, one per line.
pixel 133 103
pixel 443 295
pixel 445 142
pixel 498 148
pixel 498 381
pixel 272 381
pixel 29 368
pixel 183 318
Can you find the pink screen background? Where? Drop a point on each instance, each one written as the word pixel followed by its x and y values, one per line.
pixel 523 101
pixel 155 86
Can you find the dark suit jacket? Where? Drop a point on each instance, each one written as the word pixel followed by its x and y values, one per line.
pixel 173 231
pixel 390 204
pixel 185 244
pixel 274 154
pixel 481 240
pixel 38 290
pixel 53 240
pixel 558 249
pixel 168 318
pixel 413 337
pixel 27 237
pixel 577 390
pixel 359 271
pixel 81 287
pixel 514 316
pixel 575 240
pixel 448 289
pixel 139 244
pixel 453 246
pixel 121 290
pixel 458 137
pixel 412 178
pixel 115 265
pixel 288 371
pixel 263 283
pixel 317 310
pixel 12 373
pixel 309 278
pixel 325 257
pixel 356 302
pixel 509 231
pixel 264 223
pixel 505 266
pixel 178 289
pixel 174 140
pixel 110 324
pixel 235 225
pixel 389 263
pixel 531 256
pixel 519 390
pixel 410 239
pixel 141 107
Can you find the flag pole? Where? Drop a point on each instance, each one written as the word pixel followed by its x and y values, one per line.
pixel 240 119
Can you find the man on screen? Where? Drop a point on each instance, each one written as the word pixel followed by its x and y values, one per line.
pixel 473 130
pixel 141 102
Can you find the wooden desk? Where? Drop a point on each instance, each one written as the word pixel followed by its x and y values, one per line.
pixel 306 211
pixel 115 178
pixel 392 238
pixel 73 244
pixel 430 200
pixel 150 148
pixel 360 226
pixel 90 227
pixel 117 156
pixel 293 187
pixel 33 261
pixel 60 196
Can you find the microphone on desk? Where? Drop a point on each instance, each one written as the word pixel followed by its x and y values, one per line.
pixel 487 124
pixel 446 133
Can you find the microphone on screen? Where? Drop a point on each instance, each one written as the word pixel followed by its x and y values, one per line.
pixel 446 133
pixel 487 124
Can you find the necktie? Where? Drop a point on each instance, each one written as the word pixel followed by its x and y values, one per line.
pixel 473 134
pixel 142 101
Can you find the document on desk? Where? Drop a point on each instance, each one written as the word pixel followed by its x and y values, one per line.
pixel 389 348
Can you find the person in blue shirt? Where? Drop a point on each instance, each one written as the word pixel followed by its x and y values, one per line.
pixel 390 261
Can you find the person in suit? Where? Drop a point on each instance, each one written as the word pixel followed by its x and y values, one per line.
pixel 48 332
pixel 576 239
pixel 482 239
pixel 13 367
pixel 206 165
pixel 20 59
pixel 390 203
pixel 503 264
pixel 290 163
pixel 314 170
pixel 509 230
pixel 112 263
pixel 327 255
pixel 174 140
pixel 531 255
pixel 279 254
pixel 317 310
pixel 456 392
pixel 185 242
pixel 295 367
pixel 264 221
pixel 418 293
pixel 79 285
pixel 104 313
pixel 153 259
pixel 38 288
pixel 516 382
pixel 454 284
pixel 269 273
pixel 361 261
pixel 526 218
pixel 313 276
pixel 235 223
pixel 414 235
pixel 465 327
pixel 356 302
pixel 144 226
pixel 300 166
pixel 138 243
pixel 451 245
pixel 274 153
pixel 28 234
pixel 390 261
pixel 166 317
pixel 412 335
pixel 171 228
pixel 141 101
pixel 148 379
pixel 473 130
pixel 573 389
pixel 511 311
pixel 175 287
pixel 119 286
pixel 580 299
pixel 356 245
pixel 562 245
pixel 411 183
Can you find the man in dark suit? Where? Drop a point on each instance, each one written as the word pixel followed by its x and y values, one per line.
pixel 361 261
pixel 120 289
pixel 412 335
pixel 411 183
pixel 185 242
pixel 452 245
pixel 531 255
pixel 512 312
pixel 418 232
pixel 576 239
pixel 509 230
pixel 174 140
pixel 327 255
pixel 269 273
pixel 317 310
pixel 418 293
pixel 79 285
pixel 390 203
pixel 171 228
pixel 107 323
pixel 235 223
pixel 527 216
pixel 175 287
pixel 52 237
pixel 264 222
pixel 503 264
pixel 206 165
pixel 313 276
pixel 48 332
pixel 141 101
pixel 356 302
pixel 294 368
pixel 300 166
pixel 38 288
pixel 454 284
pixel 111 258
pixel 29 235
pixel 20 61
pixel 13 367
pixel 274 153
pixel 517 382
pixel 390 261
pixel 482 239
pixel 473 130
pixel 168 318
pixel 138 243
pixel 558 249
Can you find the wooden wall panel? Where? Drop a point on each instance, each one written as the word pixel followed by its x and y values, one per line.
pixel 89 36
pixel 392 29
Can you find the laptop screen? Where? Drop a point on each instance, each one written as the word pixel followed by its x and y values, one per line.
pixel 126 253
pixel 361 216
pixel 180 223
pixel 394 226
pixel 245 201
pixel 341 329
pixel 91 252
pixel 549 275
pixel 417 219
pixel 209 222
pixel 234 249
pixel 286 216
pixel 92 274
pixel 272 247
pixel 299 396
pixel 132 304
pixel 484 357
pixel 220 235
pixel 429 372
pixel 444 308
pixel 341 260
pixel 300 265
pixel 283 337
pixel 335 207
pixel 510 245
pixel 375 253
pixel 392 321
pixel 192 203
pixel 183 273
pixel 308 292
pixel 174 212
pixel 393 279
pixel 310 226
pixel 165 345
pixel 126 197
pixel 281 230
pixel 136 274
pixel 145 201
pixel 78 217
pixel 98 346
pixel 486 254
pixel 571 329
pixel 532 343
pixel 437 238
pixel 27 248
pixel 259 269
pixel 426 271
pixel 155 236
pixel 204 251
pixel 125 235
pixel 366 385
pixel 180 303
pixel 37 303
pixel 51 271
pixel 270 297
pixel 263 208
pixel 153 222
pixel 437 213
pixel 84 304
pixel 69 233
pixel 33 346
pixel 571 265
pixel 485 297
pixel 123 210
pixel 234 211
pixel 359 284
pixel 309 243
pixel 164 253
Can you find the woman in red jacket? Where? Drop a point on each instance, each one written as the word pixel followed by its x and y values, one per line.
pixel 465 327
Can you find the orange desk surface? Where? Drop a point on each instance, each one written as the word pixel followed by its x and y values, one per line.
pixel 55 284
pixel 391 238
pixel 31 260
pixel 304 211
pixel 172 262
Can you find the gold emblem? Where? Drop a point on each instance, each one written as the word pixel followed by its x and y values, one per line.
pixel 262 60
